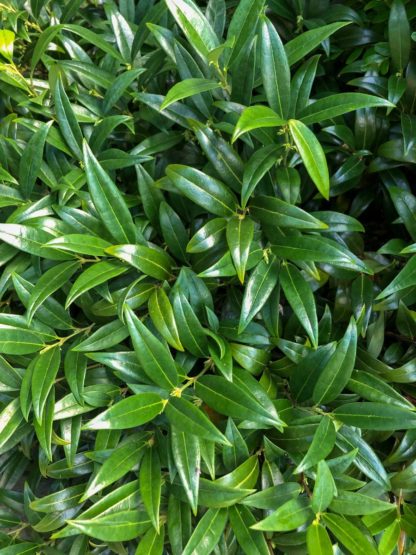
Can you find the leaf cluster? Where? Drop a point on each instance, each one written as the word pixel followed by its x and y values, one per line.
pixel 207 277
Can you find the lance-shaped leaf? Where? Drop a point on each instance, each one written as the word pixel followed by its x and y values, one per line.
pixel 108 200
pixel 239 235
pixel 318 249
pixel 275 69
pixel 31 160
pixel 349 535
pixel 194 25
pixel 259 287
pixel 152 261
pixel 207 236
pixel 203 190
pixel 129 413
pixel 404 279
pixel 243 25
pixel 318 540
pixel 186 417
pixel 95 275
pixel 114 527
pixel 256 168
pixel 121 461
pixel 336 373
pixel 299 295
pixel 154 357
pixel 399 35
pixel 187 88
pixel 80 244
pixel 241 520
pixel 304 43
pixel 161 313
pixel 256 117
pixel 44 373
pixel 232 400
pixel 312 155
pixel 207 533
pixel 335 105
pixel 376 416
pixel 276 212
pixel 52 280
pixel 187 456
pixel 150 479
pixel 322 444
pixel 289 516
pixel 31 240
pixel 67 120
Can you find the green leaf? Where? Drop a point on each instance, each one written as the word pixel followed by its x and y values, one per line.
pixel 161 313
pixel 335 105
pixel 129 413
pixel 187 88
pixel 187 456
pixel 120 461
pixel 207 533
pixel 404 279
pixel 154 357
pixel 325 489
pixel 274 69
pixel 318 540
pixel 67 120
pixel 300 297
pixel 207 236
pixel 152 261
pixel 44 373
pixel 152 542
pixel 30 239
pixel 335 375
pixel 304 43
pixel 241 519
pixel 256 168
pixel 108 200
pixel 312 155
pixel 15 340
pixel 275 212
pixel 194 25
pixel 114 527
pixel 98 273
pixel 308 248
pixel 349 535
pixel 6 44
pixel 80 244
pixel 376 416
pixel 322 444
pixel 31 160
pixel 191 332
pixel 352 503
pixel 239 235
pixel 52 280
pixel 203 190
pixel 186 417
pixel 229 399
pixel 150 479
pixel 399 35
pixel 259 287
pixel 288 516
pixel 243 25
pixel 256 117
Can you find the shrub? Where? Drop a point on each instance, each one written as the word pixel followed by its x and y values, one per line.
pixel 207 277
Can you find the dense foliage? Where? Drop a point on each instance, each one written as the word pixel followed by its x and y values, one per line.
pixel 208 279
